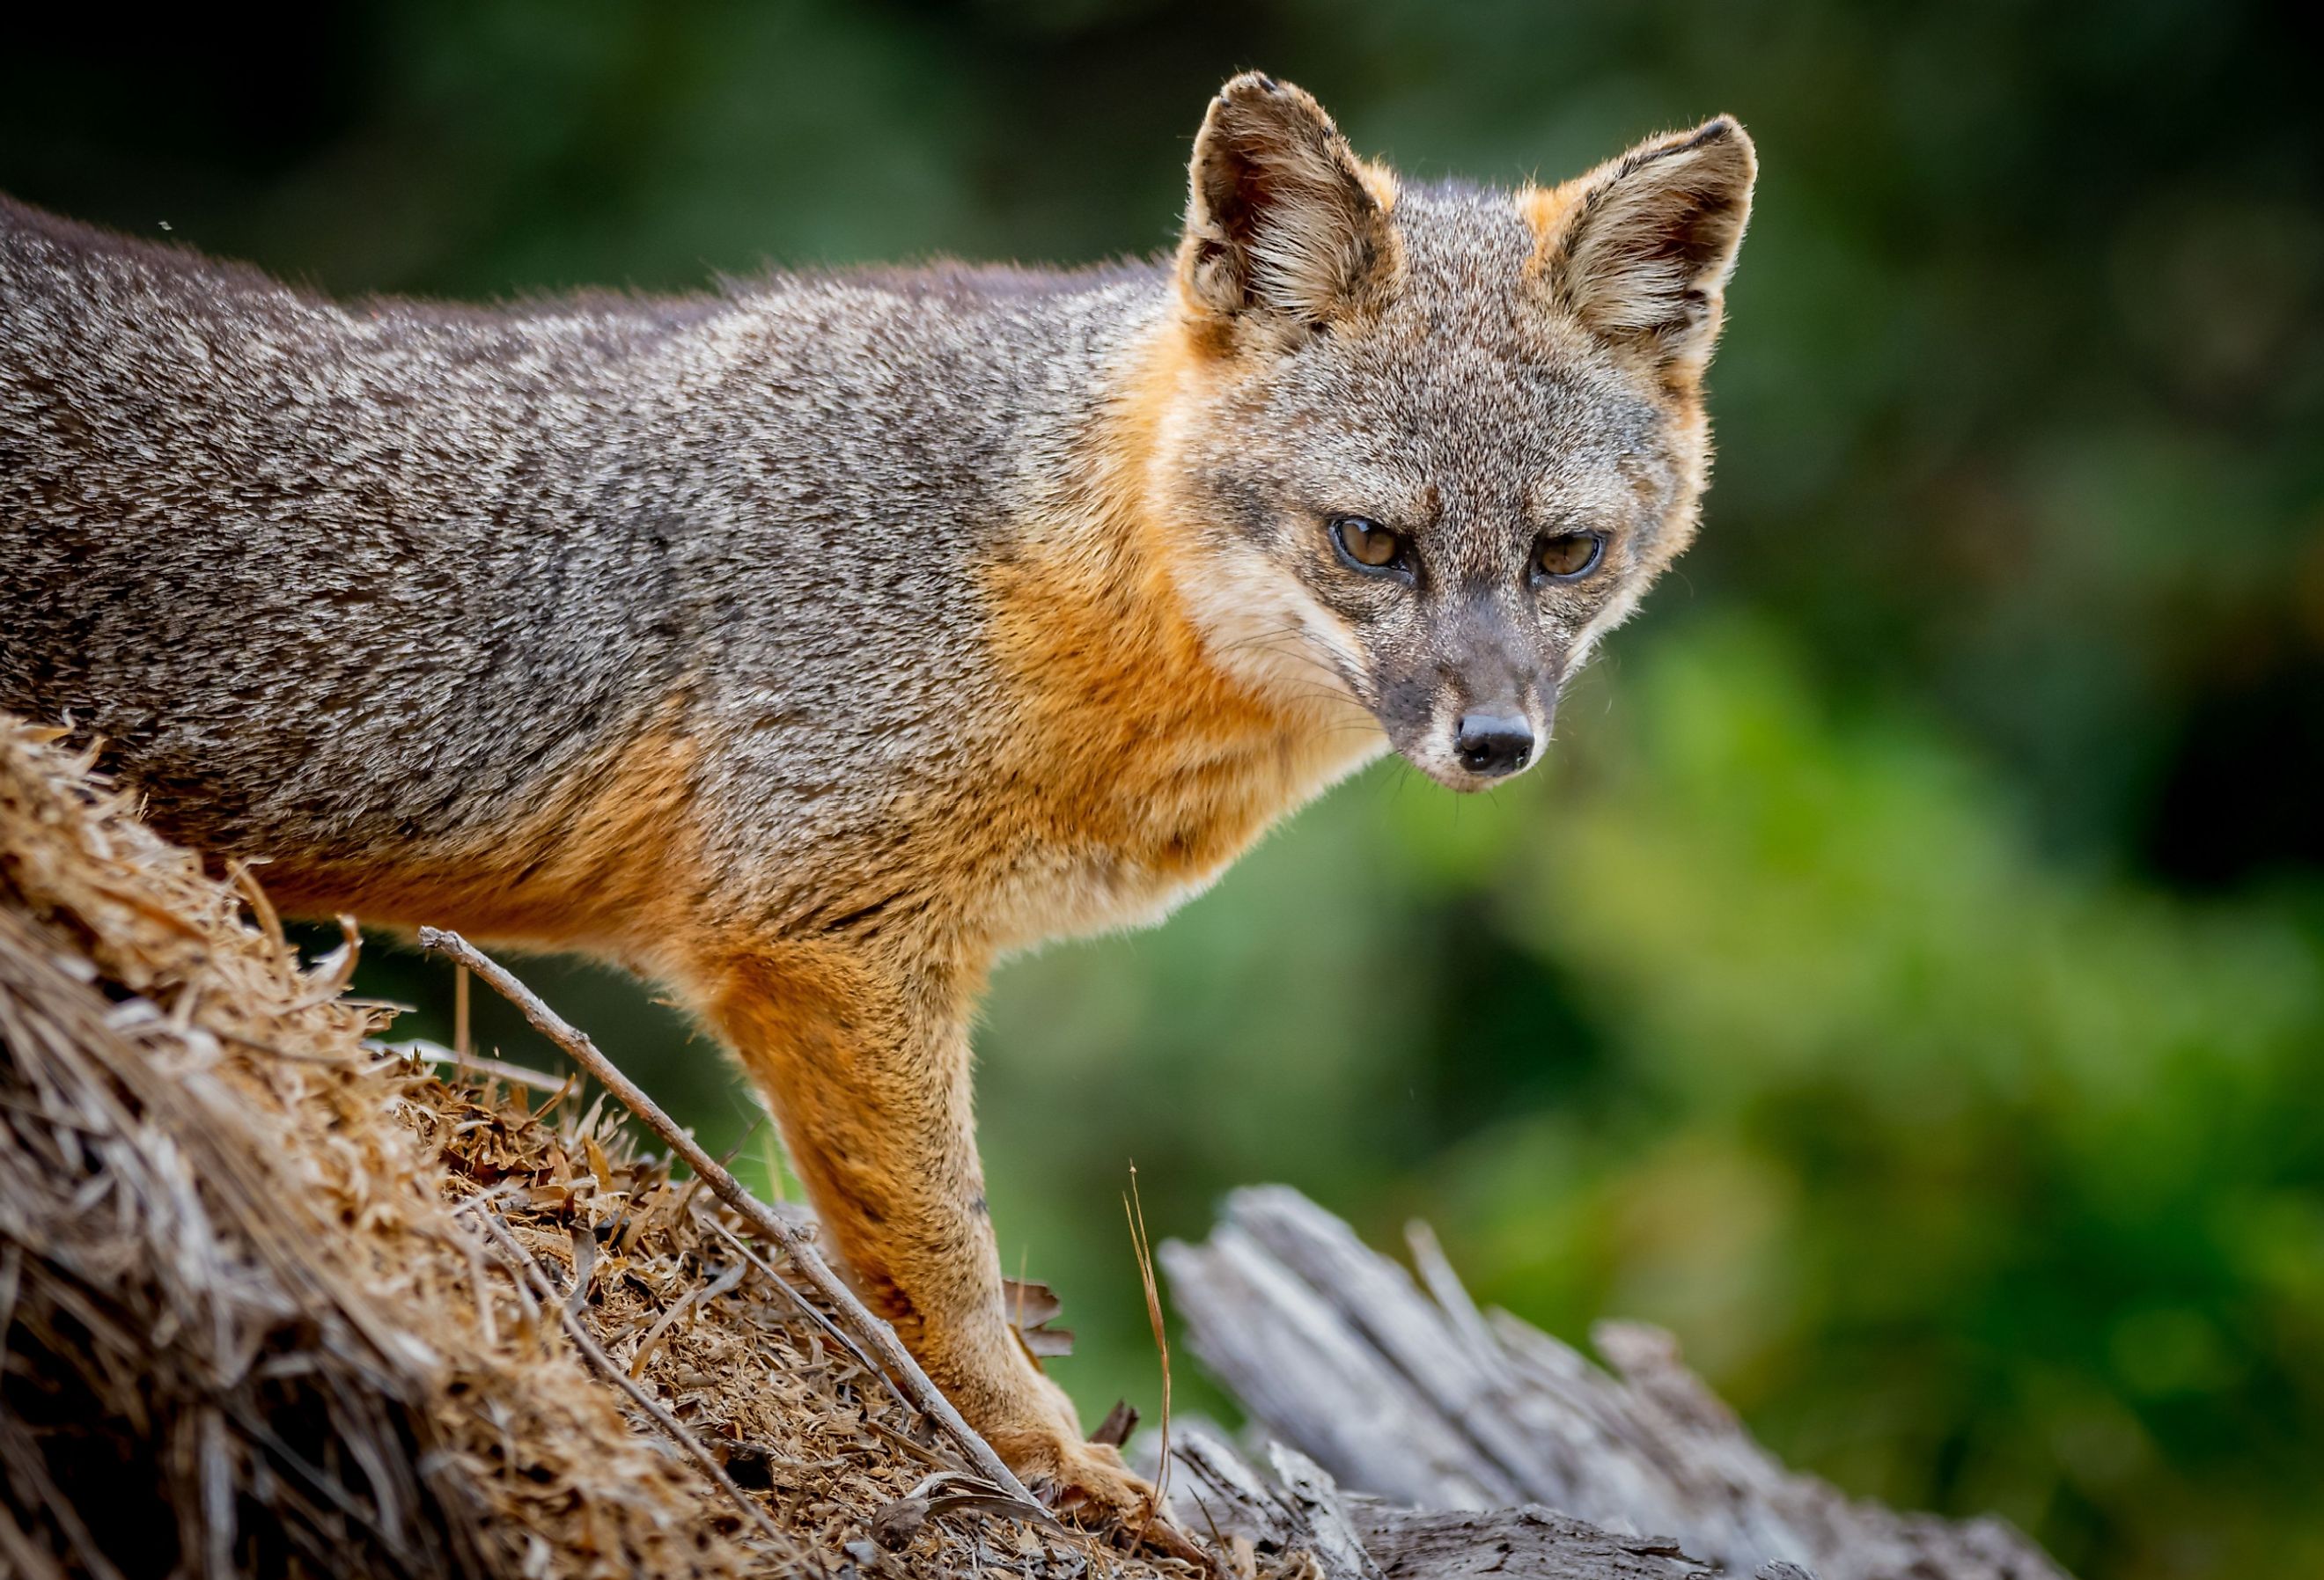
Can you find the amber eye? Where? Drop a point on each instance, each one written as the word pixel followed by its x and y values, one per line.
pixel 1368 545
pixel 1567 556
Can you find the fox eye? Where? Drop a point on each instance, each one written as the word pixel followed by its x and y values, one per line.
pixel 1369 546
pixel 1568 555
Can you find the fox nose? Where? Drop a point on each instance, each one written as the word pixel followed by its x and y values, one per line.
pixel 1493 744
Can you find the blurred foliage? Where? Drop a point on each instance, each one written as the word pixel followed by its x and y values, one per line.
pixel 1906 980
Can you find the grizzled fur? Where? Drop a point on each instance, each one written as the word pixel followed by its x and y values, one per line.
pixel 251 536
pixel 808 646
pixel 1475 423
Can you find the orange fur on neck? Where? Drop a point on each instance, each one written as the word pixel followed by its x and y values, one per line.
pixel 1134 742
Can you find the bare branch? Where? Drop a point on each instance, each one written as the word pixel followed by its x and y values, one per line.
pixel 522 1267
pixel 876 1334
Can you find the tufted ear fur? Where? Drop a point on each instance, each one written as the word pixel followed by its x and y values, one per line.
pixel 1282 217
pixel 1647 242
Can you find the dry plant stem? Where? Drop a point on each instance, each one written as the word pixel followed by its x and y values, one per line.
pixel 498 1068
pixel 846 1341
pixel 22 1555
pixel 528 1270
pixel 21 1459
pixel 1133 1207
pixel 875 1334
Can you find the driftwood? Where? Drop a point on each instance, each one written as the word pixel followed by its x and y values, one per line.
pixel 1299 1511
pixel 1432 1404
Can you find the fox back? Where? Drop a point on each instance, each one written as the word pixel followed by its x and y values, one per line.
pixel 327 577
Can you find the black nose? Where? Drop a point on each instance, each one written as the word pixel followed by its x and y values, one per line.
pixel 1494 743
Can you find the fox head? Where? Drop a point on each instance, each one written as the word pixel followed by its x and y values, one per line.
pixel 1436 441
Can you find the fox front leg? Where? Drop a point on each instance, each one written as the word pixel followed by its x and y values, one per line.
pixel 865 1061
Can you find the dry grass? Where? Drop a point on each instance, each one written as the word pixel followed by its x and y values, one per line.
pixel 1133 1207
pixel 276 1302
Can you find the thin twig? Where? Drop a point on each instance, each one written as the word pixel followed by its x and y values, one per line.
pixel 515 1074
pixel 524 1266
pixel 29 1557
pixel 846 1340
pixel 28 1471
pixel 876 1334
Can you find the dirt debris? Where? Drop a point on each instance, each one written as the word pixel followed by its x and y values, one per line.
pixel 277 1301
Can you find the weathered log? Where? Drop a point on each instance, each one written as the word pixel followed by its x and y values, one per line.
pixel 1432 1404
pixel 1299 1511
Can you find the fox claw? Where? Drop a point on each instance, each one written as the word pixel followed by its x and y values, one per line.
pixel 1089 1482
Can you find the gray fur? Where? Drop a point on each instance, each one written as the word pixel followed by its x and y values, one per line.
pixel 1455 367
pixel 329 578
pixel 259 541
pixel 1470 418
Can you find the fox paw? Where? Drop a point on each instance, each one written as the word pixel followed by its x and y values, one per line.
pixel 1087 1479
pixel 1088 1482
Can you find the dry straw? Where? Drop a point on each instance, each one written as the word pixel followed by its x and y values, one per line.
pixel 277 1300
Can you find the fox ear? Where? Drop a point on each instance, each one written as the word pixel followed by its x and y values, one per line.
pixel 1282 217
pixel 1646 242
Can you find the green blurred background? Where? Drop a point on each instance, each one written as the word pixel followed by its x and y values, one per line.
pixel 1907 978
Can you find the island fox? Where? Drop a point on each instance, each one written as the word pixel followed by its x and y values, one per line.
pixel 808 646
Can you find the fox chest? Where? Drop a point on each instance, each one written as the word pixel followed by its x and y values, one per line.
pixel 1125 851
